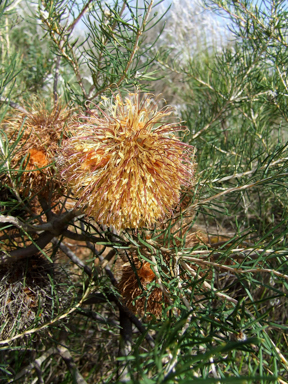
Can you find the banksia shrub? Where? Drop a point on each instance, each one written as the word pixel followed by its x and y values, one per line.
pixel 36 144
pixel 126 163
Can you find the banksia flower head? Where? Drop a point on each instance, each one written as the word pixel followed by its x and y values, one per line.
pixel 126 163
pixel 42 131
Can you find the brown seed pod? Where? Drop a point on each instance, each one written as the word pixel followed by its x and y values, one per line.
pixel 133 288
pixel 135 278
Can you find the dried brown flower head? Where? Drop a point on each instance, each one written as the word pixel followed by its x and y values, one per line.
pixel 42 131
pixel 126 162
pixel 133 288
pixel 136 276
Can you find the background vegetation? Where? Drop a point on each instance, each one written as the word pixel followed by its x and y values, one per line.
pixel 220 262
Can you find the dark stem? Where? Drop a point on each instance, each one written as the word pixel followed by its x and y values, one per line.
pixel 56 77
pixel 94 316
pixel 125 344
pixel 55 228
pixel 74 22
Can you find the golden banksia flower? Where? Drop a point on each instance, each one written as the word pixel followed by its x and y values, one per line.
pixel 126 163
pixel 42 131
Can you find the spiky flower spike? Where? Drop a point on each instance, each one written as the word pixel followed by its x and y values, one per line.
pixel 42 130
pixel 126 162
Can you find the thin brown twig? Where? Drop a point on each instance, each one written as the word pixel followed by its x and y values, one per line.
pixel 14 105
pixel 24 226
pixel 247 173
pixel 237 252
pixel 125 345
pixel 83 237
pixel 46 208
pixel 72 256
pixel 78 18
pixel 94 316
pixel 215 118
pixel 56 77
pixel 207 285
pixel 39 373
pixel 236 270
pixel 234 189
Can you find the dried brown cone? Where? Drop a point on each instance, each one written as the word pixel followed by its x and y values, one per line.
pixel 136 277
pixel 133 288
pixel 38 136
pixel 26 295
